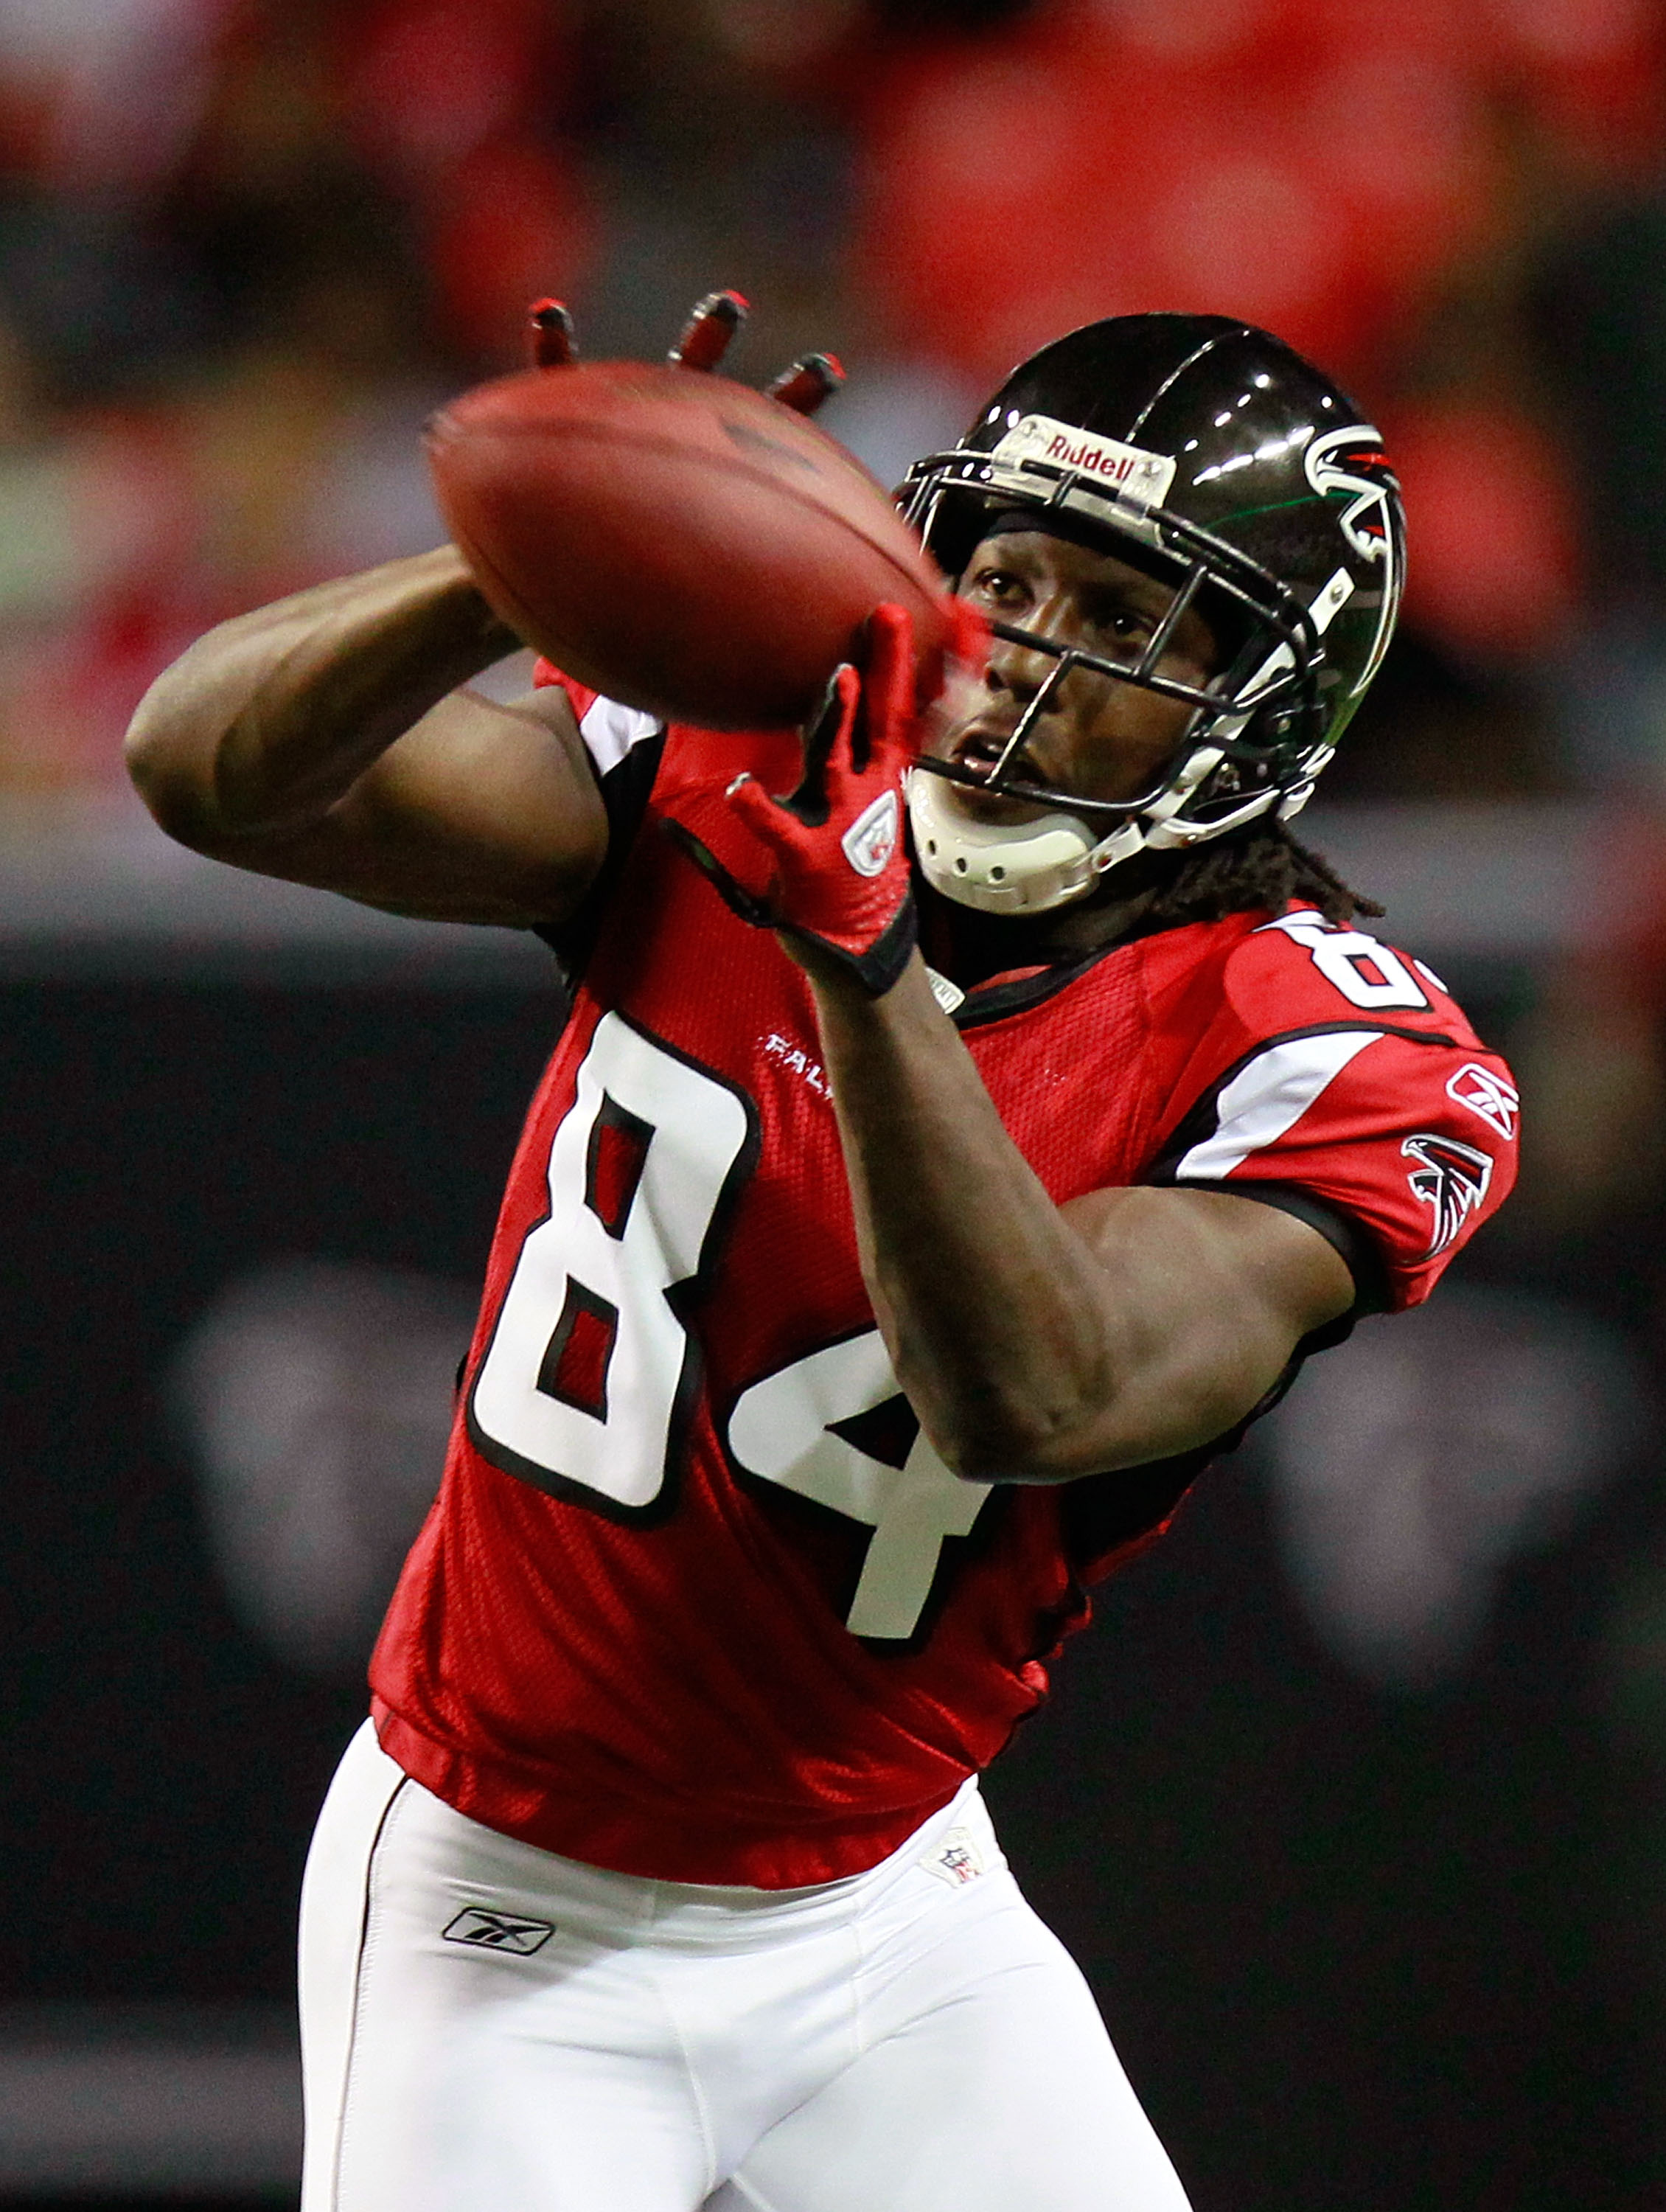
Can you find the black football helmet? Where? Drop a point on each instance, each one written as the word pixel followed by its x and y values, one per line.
pixel 1212 455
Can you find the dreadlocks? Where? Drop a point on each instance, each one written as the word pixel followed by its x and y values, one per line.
pixel 1260 868
pixel 1263 868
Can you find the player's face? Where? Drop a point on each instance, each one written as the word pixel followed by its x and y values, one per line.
pixel 1097 738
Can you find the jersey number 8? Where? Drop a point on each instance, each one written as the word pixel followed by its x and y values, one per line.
pixel 591 1363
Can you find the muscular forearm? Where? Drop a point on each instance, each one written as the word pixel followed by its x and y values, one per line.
pixel 263 724
pixel 1038 1342
pixel 990 1303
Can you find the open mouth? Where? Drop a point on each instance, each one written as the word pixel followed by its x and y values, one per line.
pixel 980 750
pixel 972 759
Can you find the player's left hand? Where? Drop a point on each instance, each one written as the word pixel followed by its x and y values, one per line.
pixel 827 864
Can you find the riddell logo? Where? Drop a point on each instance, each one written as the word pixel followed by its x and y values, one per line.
pixel 1116 463
pixel 1042 441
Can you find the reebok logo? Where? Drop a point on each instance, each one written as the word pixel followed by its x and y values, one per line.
pixel 498 1931
pixel 1496 1101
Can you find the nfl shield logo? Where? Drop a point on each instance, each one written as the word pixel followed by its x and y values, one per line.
pixel 871 839
pixel 956 1860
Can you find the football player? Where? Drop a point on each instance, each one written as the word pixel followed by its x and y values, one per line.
pixel 939 1164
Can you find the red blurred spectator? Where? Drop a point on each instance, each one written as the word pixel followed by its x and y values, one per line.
pixel 453 100
pixel 425 82
pixel 1312 164
pixel 1301 164
pixel 505 225
pixel 1593 73
pixel 1491 519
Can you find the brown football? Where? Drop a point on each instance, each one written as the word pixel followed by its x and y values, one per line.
pixel 679 542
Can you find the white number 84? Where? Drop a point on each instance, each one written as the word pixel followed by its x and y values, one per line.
pixel 591 1363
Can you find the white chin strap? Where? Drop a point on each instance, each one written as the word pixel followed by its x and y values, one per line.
pixel 1026 867
pixel 1000 868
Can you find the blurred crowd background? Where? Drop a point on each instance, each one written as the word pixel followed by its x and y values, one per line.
pixel 246 244
pixel 1355 1802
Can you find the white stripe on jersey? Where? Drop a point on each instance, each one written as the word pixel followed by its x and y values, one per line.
pixel 1267 1097
pixel 610 731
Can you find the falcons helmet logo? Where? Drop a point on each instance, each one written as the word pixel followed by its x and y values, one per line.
pixel 1348 465
pixel 1350 462
pixel 1453 1179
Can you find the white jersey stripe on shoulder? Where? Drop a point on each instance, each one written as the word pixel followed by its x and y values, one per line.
pixel 1269 1097
pixel 610 731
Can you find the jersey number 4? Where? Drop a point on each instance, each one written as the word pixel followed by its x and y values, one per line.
pixel 590 1376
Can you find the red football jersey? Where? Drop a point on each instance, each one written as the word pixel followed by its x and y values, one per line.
pixel 697 1600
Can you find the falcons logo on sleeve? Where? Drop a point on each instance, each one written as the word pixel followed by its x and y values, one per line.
pixel 1452 1178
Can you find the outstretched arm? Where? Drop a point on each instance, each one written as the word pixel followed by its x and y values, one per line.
pixel 323 739
pixel 1037 1342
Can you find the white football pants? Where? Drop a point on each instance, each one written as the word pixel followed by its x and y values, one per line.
pixel 487 2027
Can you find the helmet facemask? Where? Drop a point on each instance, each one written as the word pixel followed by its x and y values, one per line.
pixel 1253 742
pixel 1213 456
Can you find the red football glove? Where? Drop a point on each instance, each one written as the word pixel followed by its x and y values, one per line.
pixel 829 862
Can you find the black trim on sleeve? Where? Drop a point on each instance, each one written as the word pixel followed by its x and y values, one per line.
pixel 1100 1515
pixel 1351 1239
pixel 626 790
